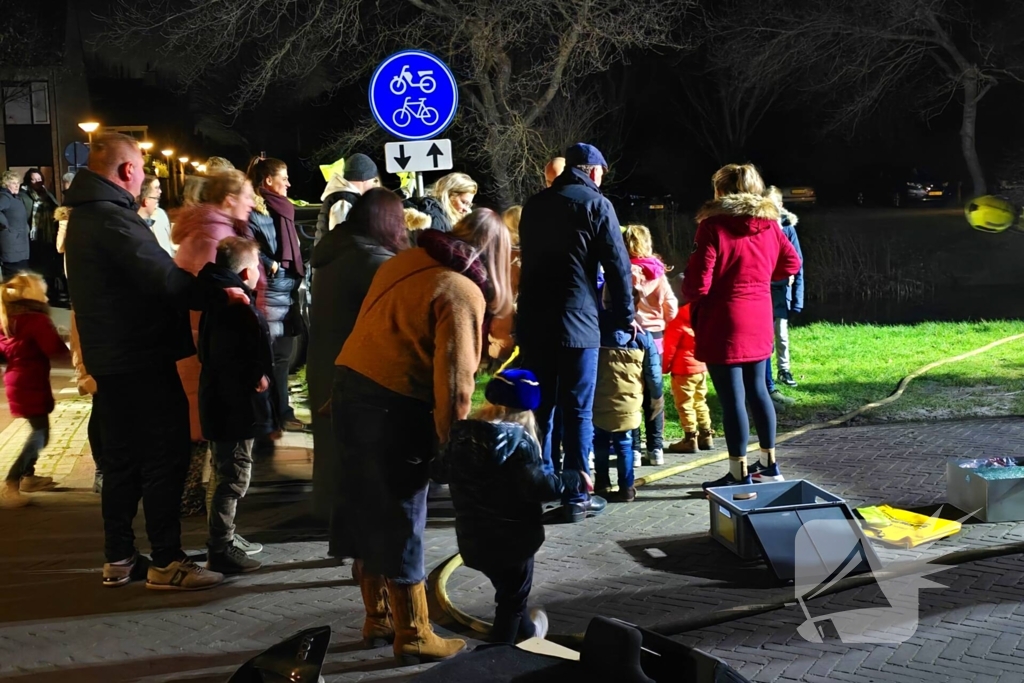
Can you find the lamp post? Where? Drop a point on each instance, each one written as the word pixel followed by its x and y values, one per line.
pixel 89 127
pixel 171 185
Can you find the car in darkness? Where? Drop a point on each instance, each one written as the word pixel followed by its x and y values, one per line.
pixel 799 195
pixel 902 185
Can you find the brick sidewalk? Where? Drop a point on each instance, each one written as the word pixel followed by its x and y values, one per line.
pixel 58 623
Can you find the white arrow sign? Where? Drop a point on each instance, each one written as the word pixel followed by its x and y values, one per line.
pixel 422 155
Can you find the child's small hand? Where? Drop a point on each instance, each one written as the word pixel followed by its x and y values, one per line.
pixel 263 385
pixel 236 296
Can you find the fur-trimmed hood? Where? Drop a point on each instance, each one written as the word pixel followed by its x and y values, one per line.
pixel 741 205
pixel 788 217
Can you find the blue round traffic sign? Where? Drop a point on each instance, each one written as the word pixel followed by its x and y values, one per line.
pixel 413 95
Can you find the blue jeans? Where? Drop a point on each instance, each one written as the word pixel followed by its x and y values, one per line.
pixel 768 375
pixel 567 379
pixel 621 443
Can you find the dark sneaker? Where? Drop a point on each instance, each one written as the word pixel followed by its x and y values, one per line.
pixel 781 401
pixel 760 474
pixel 231 560
pixel 727 480
pixel 247 547
pixel 786 377
pixel 119 573
pixel 602 484
pixel 592 507
pixel 183 575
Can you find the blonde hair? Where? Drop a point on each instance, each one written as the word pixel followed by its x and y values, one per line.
pixel 737 179
pixel 20 287
pixel 638 241
pixel 485 231
pixel 453 184
pixel 8 176
pixel 490 412
pixel 192 191
pixel 512 216
pixel 216 165
pixel 218 187
pixel 416 220
pixel 775 194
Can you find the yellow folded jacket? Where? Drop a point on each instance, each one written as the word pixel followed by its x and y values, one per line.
pixel 903 528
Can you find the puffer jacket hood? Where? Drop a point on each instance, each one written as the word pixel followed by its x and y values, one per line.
pixel 492 442
pixel 646 273
pixel 204 219
pixel 337 184
pixel 90 188
pixel 743 213
pixel 787 217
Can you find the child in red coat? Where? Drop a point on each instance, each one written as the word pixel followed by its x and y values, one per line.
pixel 689 385
pixel 28 343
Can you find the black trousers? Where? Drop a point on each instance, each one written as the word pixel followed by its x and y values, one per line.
pixel 143 424
pixel 512 584
pixel 282 347
pixel 95 437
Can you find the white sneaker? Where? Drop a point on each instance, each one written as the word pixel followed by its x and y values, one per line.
pixel 638 459
pixel 34 483
pixel 591 461
pixel 540 622
pixel 657 457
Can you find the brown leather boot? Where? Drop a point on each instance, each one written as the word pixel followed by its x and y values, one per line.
pixel 688 444
pixel 706 439
pixel 378 630
pixel 415 640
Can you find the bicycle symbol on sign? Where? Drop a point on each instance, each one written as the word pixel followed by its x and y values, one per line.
pixel 426 84
pixel 415 109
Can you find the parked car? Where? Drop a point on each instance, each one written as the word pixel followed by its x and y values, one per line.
pixel 801 195
pixel 898 186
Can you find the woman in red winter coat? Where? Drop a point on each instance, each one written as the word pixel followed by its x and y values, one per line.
pixel 739 251
pixel 28 343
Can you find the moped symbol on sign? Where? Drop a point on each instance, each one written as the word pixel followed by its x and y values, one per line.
pixel 413 95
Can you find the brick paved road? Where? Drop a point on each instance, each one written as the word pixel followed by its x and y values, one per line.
pixel 58 623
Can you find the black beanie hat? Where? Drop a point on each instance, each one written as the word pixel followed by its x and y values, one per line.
pixel 359 167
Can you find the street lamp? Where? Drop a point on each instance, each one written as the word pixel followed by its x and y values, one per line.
pixel 183 160
pixel 89 127
pixel 195 163
pixel 168 153
pixel 146 146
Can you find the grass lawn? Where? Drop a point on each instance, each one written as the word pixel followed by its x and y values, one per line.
pixel 841 367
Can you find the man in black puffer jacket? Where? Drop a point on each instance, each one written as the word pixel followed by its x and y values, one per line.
pixel 131 309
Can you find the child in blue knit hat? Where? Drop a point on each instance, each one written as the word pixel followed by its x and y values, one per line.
pixel 499 483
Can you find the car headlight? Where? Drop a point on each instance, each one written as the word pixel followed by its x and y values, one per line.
pixel 916 186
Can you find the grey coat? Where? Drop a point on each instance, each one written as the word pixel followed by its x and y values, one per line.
pixel 14 245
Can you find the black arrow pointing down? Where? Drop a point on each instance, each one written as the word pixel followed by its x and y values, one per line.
pixel 403 160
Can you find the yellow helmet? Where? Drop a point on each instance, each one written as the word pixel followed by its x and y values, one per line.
pixel 990 213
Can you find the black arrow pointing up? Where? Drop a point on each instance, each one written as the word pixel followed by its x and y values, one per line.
pixel 403 160
pixel 434 152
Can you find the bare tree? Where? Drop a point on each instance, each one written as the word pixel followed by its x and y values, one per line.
pixel 869 48
pixel 512 59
